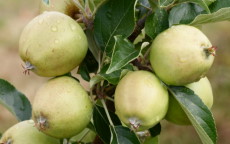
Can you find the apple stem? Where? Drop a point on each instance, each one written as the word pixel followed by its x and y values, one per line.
pixel 28 66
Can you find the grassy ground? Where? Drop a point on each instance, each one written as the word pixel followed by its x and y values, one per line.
pixel 16 14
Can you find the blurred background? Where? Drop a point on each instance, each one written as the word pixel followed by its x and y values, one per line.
pixel 15 14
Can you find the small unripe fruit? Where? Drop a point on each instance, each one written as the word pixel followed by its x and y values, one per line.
pixel 64 6
pixel 181 55
pixel 52 44
pixel 62 108
pixel 26 133
pixel 203 89
pixel 141 100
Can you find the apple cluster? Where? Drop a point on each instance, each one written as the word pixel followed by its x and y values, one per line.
pixel 53 44
pixel 179 56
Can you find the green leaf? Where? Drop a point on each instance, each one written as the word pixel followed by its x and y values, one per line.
pixel 142 8
pixel 83 71
pixel 156 23
pixel 203 3
pixel 184 13
pixel 140 37
pixel 115 17
pixel 94 4
pixel 113 139
pixel 91 127
pixel 98 2
pixel 94 80
pixel 220 12
pixel 16 102
pixel 153 4
pixel 123 53
pixel 220 15
pixel 197 112
pixel 123 135
pixel 101 123
pixel 95 50
pixel 165 3
pixel 115 76
pixel 156 130
pixel 218 4
pixel 89 65
pixel 84 136
pixel 200 2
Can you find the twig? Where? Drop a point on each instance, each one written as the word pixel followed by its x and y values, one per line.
pixel 139 26
pixel 109 98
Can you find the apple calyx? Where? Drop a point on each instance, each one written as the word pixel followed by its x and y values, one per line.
pixel 210 51
pixel 28 66
pixel 41 123
pixel 134 123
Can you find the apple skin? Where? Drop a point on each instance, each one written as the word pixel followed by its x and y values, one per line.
pixel 53 43
pixel 62 108
pixel 64 6
pixel 141 100
pixel 26 133
pixel 203 89
pixel 180 55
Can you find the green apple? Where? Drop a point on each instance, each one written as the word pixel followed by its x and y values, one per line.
pixel 52 44
pixel 141 100
pixel 203 89
pixel 62 108
pixel 64 6
pixel 26 133
pixel 181 55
